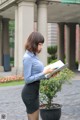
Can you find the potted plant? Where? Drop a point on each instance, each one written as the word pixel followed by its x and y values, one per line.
pixel 48 90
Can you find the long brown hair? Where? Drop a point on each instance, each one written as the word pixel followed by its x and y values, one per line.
pixel 33 40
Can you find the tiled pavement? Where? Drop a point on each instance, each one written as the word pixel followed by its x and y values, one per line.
pixel 11 102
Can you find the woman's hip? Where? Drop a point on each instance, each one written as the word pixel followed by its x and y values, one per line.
pixel 30 90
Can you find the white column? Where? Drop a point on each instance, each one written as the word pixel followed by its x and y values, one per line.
pixel 42 28
pixel 24 24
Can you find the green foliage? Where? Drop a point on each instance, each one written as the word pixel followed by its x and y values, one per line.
pixel 49 88
pixel 76 64
pixel 12 83
pixel 52 51
pixel 53 61
pixel 11 33
pixel 49 59
pixel 11 24
pixel 12 61
pixel 11 44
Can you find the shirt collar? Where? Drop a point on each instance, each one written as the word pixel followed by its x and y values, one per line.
pixel 30 53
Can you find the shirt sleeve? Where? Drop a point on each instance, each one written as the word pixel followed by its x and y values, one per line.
pixel 27 65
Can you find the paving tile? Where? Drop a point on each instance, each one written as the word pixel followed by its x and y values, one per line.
pixel 12 104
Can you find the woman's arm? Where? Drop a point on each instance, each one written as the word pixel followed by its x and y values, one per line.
pixel 27 65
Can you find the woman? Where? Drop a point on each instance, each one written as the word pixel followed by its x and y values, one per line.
pixel 33 73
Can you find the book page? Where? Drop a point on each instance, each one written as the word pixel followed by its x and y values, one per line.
pixel 57 66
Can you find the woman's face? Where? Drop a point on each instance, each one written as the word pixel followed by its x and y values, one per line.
pixel 40 45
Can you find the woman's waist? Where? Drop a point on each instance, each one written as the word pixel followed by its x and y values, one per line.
pixel 32 88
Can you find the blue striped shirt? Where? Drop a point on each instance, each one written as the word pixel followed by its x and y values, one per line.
pixel 32 68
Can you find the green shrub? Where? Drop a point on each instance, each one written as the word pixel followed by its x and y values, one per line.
pixel 52 51
pixel 49 88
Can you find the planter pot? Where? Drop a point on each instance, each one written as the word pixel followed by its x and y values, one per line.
pixel 51 114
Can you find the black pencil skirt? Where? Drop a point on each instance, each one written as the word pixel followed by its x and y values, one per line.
pixel 30 96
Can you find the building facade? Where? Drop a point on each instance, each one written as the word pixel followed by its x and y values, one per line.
pixel 25 12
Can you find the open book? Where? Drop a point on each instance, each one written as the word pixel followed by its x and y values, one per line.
pixel 57 66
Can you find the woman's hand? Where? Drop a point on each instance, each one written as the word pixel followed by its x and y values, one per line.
pixel 46 71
